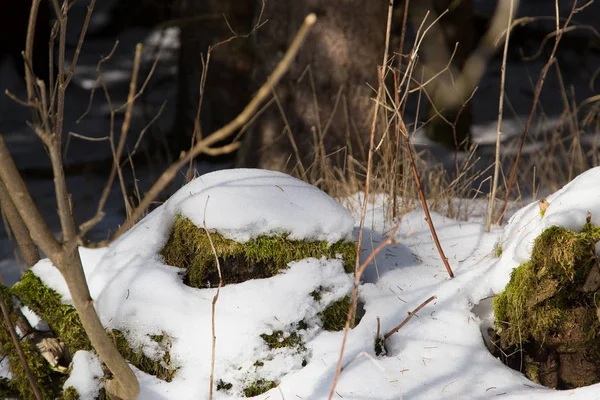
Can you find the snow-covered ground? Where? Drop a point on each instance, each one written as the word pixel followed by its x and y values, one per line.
pixel 438 354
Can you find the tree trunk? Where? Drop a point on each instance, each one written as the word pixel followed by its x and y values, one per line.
pixel 205 23
pixel 325 98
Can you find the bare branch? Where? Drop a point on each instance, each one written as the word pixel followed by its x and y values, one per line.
pixel 28 248
pixel 40 232
pixel 225 131
pixel 410 315
pixel 488 223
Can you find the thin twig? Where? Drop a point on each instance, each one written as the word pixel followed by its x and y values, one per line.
pixel 422 197
pixel 359 269
pixel 410 315
pixel 352 312
pixel 225 131
pixel 536 96
pixel 214 304
pixel 488 223
pixel 86 23
pixel 28 248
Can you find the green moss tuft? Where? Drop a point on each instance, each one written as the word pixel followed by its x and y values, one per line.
pixel 162 369
pixel 259 387
pixel 280 339
pixel 497 250
pixel 46 303
pixel 380 346
pixel 335 315
pixel 188 247
pixel 547 314
pixel 70 393
pixel 222 385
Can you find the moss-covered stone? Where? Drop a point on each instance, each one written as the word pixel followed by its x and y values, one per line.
pixel 548 310
pixel 259 387
pixel 64 321
pixel 47 303
pixel 189 247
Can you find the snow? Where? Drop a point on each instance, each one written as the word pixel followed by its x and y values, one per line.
pixel 438 354
pixel 86 375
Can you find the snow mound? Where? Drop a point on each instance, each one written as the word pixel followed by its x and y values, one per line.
pixel 568 208
pixel 244 203
pixel 137 294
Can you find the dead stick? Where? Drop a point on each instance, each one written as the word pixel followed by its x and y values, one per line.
pixel 410 315
pixel 422 196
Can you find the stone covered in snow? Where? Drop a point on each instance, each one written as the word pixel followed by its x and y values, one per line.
pixel 244 203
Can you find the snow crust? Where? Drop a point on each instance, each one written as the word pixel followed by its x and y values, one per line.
pixel 438 354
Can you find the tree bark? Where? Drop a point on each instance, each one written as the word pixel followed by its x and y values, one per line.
pixel 205 23
pixel 325 98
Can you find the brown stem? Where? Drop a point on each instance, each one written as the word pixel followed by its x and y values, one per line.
pixel 423 199
pixel 410 315
pixel 488 222
pixel 29 79
pixel 39 230
pixel 360 268
pixel 127 384
pixel 17 343
pixel 28 248
pixel 352 311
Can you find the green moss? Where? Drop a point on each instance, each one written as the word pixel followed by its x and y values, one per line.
pixel 8 389
pixel 302 325
pixel 48 381
pixel 335 315
pixel 65 323
pixel 162 369
pixel 259 387
pixel 497 250
pixel 222 385
pixel 280 339
pixel 189 247
pixel 259 364
pixel 48 305
pixel 542 292
pixel 70 393
pixel 380 346
pixel 317 293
